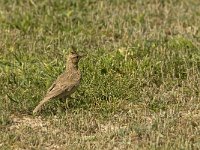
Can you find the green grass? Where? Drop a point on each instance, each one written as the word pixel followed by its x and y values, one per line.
pixel 141 77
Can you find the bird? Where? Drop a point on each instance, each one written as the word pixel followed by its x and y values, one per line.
pixel 66 83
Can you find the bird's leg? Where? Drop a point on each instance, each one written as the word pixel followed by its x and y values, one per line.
pixel 63 99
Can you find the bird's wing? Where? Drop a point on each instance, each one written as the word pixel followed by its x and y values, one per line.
pixel 57 81
pixel 64 83
pixel 59 88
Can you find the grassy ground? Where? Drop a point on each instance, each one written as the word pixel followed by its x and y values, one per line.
pixel 141 76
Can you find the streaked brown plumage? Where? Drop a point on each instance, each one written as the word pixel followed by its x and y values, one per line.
pixel 66 83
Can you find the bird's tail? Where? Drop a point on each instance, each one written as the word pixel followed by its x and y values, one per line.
pixel 38 107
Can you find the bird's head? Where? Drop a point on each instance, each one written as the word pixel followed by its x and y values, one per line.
pixel 74 57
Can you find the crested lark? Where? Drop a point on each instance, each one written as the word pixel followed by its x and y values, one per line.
pixel 66 83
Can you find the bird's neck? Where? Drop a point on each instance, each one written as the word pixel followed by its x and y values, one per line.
pixel 72 66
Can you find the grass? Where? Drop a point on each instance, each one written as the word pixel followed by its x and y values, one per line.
pixel 141 76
